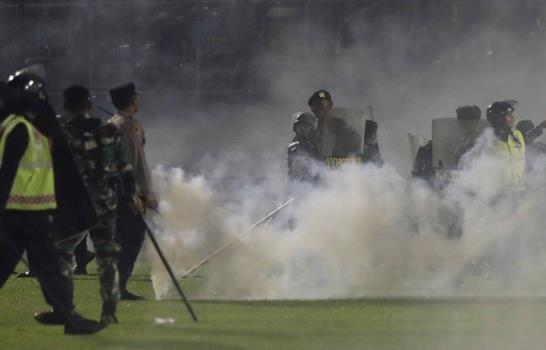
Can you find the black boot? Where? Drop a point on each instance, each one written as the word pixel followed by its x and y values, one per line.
pixel 80 270
pixel 49 317
pixel 126 295
pixel 108 314
pixel 77 324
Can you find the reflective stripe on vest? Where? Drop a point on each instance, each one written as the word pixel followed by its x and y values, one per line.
pixel 33 187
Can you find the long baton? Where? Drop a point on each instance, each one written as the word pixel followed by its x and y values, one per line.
pixel 77 239
pixel 236 239
pixel 169 269
pixel 106 111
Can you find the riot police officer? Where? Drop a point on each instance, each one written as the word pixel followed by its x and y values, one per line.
pixel 509 143
pixel 28 198
pixel 303 149
pixel 334 137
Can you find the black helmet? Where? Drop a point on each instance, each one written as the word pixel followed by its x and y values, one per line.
pixel 469 112
pixel 304 124
pixel 304 118
pixel 497 112
pixel 27 84
pixel 25 92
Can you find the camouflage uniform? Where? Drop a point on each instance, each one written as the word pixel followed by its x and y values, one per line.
pixel 104 169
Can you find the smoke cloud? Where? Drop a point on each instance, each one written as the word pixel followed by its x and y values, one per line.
pixel 365 231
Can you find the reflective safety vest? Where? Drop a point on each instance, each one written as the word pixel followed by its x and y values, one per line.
pixel 513 153
pixel 34 186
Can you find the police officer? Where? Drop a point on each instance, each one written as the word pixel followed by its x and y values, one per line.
pixel 509 143
pixel 105 169
pixel 303 148
pixel 28 197
pixel 423 167
pixel 131 227
pixel 334 137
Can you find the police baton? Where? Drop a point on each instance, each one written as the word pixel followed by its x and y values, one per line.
pixel 106 111
pixel 169 269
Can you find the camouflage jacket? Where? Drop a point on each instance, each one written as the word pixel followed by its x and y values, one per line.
pixel 99 156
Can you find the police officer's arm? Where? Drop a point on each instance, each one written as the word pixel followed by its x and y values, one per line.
pixel 16 144
pixel 127 143
pixel 126 169
pixel 141 172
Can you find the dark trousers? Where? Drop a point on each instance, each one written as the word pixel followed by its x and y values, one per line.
pixel 131 231
pixel 19 231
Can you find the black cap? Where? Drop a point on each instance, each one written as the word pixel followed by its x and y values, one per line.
pixel 76 98
pixel 122 96
pixel 319 95
pixel 469 112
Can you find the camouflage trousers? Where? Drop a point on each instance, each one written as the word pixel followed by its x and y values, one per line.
pixel 107 251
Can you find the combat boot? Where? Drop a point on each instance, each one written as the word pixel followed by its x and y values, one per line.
pixel 50 317
pixel 77 324
pixel 126 295
pixel 108 314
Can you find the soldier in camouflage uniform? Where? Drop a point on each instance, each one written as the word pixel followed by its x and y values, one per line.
pixel 105 171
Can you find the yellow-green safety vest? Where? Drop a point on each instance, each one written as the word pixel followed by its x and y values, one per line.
pixel 34 184
pixel 514 154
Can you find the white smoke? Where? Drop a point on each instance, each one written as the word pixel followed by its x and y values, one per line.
pixel 363 232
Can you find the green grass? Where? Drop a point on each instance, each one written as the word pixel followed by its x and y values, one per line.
pixel 347 324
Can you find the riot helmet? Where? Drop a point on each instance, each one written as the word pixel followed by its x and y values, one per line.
pixel 26 95
pixel 497 113
pixel 304 124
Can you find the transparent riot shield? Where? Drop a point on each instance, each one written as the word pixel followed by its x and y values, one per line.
pixel 451 138
pixel 341 146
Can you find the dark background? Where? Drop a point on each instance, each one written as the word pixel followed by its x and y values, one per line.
pixel 220 79
pixel 207 47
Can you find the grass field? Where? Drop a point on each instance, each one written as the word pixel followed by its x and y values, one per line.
pixel 346 324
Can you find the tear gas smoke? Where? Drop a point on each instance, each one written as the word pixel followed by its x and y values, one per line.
pixel 365 232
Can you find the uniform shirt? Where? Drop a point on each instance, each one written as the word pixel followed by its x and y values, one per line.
pixel 100 159
pixel 133 140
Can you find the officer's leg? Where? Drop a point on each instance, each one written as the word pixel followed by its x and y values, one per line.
pixel 47 263
pixel 53 274
pixel 11 249
pixel 131 235
pixel 107 249
pixel 65 250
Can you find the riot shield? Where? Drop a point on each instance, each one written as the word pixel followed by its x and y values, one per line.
pixel 346 146
pixel 451 138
